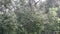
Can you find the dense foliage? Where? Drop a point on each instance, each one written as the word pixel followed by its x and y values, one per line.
pixel 29 17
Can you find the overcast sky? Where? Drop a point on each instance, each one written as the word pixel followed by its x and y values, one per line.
pixel 40 0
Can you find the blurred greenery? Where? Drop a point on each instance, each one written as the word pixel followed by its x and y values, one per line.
pixel 29 17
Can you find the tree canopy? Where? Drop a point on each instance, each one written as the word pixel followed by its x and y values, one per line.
pixel 29 16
